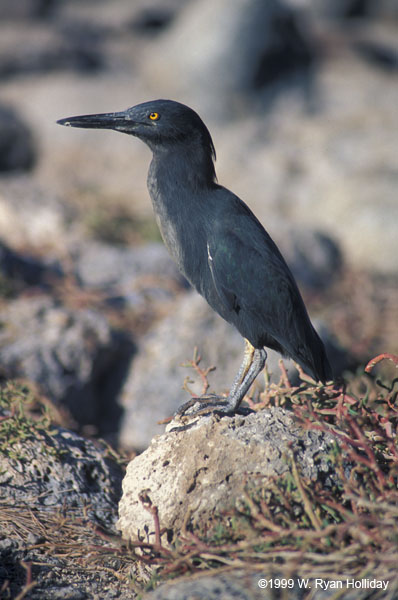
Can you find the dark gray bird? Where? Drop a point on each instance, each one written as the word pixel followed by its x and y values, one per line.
pixel 218 243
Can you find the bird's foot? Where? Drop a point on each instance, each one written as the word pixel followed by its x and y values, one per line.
pixel 189 413
pixel 204 405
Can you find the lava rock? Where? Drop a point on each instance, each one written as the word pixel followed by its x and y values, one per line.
pixel 74 355
pixel 25 9
pixel 314 258
pixel 17 147
pixel 192 474
pixel 244 584
pixel 60 470
pixel 104 266
pixel 31 215
pixel 234 52
pixel 49 49
pixel 235 585
pixel 23 269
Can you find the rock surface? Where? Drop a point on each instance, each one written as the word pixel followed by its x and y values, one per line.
pixel 61 469
pixel 31 215
pixel 25 9
pixel 234 51
pixel 48 49
pixel 58 491
pixel 21 270
pixel 17 147
pixel 74 355
pixel 194 474
pixel 114 269
pixel 244 585
pixel 230 585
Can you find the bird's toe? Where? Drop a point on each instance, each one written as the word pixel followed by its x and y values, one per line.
pixel 203 405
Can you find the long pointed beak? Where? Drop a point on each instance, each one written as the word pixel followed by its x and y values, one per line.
pixel 120 121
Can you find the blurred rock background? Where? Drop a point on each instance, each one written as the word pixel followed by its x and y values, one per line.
pixel 301 98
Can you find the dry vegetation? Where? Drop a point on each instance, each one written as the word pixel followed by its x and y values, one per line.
pixel 343 527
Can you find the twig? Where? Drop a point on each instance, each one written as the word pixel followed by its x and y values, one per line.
pixel 153 510
pixel 29 583
pixel 307 504
pixel 379 358
pixel 203 373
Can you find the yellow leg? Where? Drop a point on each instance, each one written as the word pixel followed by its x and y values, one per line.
pixel 253 362
pixel 245 366
pixel 247 359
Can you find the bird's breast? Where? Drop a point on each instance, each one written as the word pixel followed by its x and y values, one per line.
pixel 165 218
pixel 171 237
pixel 181 226
pixel 177 232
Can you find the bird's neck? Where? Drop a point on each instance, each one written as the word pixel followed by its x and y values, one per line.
pixel 181 168
pixel 178 182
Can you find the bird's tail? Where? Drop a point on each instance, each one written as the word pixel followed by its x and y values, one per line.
pixel 316 362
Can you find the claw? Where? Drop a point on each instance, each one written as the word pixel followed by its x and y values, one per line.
pixel 206 405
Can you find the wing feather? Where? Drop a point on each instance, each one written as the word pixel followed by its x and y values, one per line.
pixel 251 276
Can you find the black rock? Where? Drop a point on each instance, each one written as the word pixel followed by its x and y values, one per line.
pixel 150 21
pixel 25 9
pixel 17 147
pixel 74 46
pixel 74 356
pixel 315 259
pixel 25 270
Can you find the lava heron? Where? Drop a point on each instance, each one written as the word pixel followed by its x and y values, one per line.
pixel 218 244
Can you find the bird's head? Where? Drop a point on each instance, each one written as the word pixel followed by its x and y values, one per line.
pixel 158 123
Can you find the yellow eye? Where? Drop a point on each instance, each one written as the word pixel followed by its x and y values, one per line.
pixel 154 116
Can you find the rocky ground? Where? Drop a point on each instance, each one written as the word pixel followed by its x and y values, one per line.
pixel 301 100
